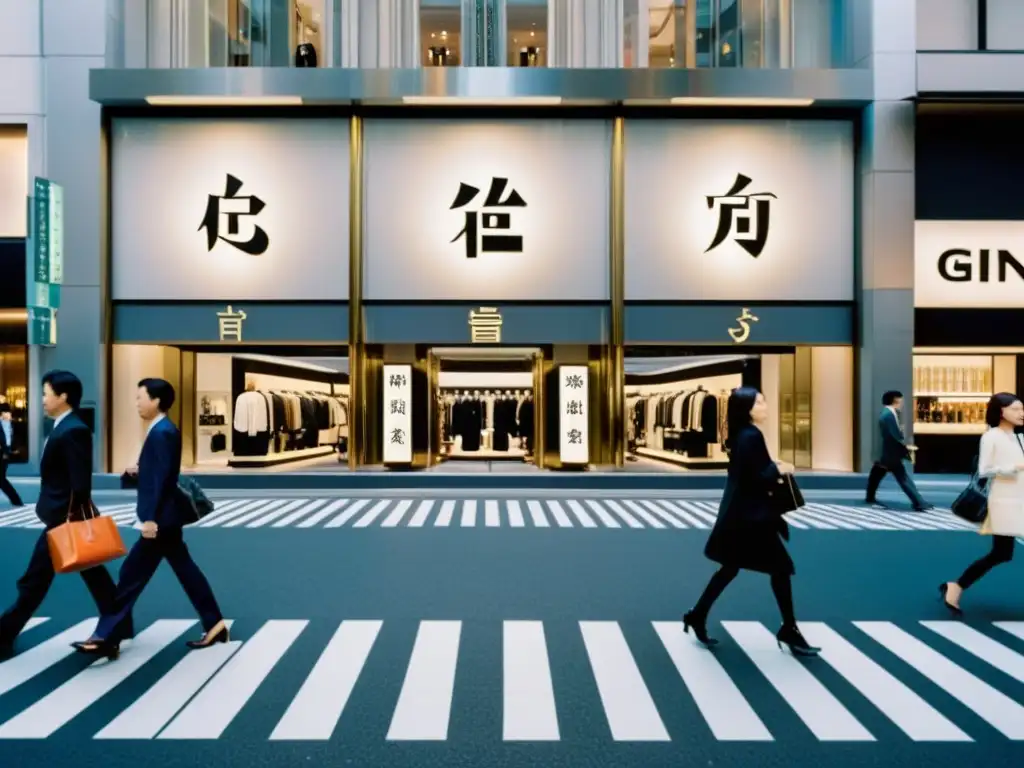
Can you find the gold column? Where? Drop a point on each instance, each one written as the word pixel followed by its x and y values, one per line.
pixel 616 368
pixel 356 342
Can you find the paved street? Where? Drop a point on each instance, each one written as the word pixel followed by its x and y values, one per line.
pixel 526 629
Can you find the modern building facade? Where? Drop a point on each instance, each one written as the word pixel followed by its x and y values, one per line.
pixel 548 231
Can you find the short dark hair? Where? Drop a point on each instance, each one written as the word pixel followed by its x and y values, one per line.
pixel 5 408
pixel 996 403
pixel 65 383
pixel 891 396
pixel 160 390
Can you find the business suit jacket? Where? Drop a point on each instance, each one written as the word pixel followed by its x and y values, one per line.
pixel 5 448
pixel 159 467
pixel 894 449
pixel 65 472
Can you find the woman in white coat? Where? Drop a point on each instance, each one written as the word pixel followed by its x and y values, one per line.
pixel 1001 460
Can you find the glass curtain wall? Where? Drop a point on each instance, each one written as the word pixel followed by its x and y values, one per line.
pixel 14 392
pixel 754 34
pixel 440 33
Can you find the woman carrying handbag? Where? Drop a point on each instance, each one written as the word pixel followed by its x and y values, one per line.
pixel 749 532
pixel 1001 462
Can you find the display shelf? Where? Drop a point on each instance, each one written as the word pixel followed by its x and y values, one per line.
pixel 285 457
pixel 927 428
pixel 955 395
pixel 680 459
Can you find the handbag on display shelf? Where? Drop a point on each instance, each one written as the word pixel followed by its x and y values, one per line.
pixel 972 503
pixel 786 496
pixel 76 545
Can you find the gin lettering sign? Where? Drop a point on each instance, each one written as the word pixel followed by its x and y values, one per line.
pixel 969 264
pixel 397 405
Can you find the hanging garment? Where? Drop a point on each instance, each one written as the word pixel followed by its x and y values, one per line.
pixel 252 414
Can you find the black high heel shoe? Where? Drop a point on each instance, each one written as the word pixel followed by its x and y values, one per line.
pixel 700 630
pixel 790 637
pixel 108 649
pixel 954 609
pixel 220 636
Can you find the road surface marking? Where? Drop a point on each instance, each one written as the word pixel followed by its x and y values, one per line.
pixel 425 702
pixel 529 696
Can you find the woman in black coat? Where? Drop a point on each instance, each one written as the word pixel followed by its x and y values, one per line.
pixel 748 533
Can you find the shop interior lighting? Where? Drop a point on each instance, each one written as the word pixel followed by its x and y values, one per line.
pixel 713 101
pixel 470 101
pixel 224 101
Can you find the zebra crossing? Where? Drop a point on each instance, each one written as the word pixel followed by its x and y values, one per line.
pixel 588 513
pixel 971 674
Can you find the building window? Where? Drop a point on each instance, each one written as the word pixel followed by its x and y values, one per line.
pixel 440 33
pixel 14 392
pixel 527 34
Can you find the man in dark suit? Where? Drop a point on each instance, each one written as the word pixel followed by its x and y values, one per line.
pixel 65 489
pixel 893 453
pixel 6 447
pixel 162 537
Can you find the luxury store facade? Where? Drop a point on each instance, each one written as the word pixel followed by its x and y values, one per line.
pixel 969 276
pixel 405 287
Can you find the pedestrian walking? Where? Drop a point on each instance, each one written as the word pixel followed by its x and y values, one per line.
pixel 158 509
pixel 6 449
pixel 749 532
pixel 65 491
pixel 1001 461
pixel 894 451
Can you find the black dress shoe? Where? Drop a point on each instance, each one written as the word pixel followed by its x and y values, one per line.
pixel 105 648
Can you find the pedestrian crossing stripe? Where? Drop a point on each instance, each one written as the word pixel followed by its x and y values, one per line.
pixel 622 514
pixel 198 695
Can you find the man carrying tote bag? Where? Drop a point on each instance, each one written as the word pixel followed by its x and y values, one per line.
pixel 65 493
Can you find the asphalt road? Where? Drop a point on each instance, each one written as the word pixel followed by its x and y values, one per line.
pixel 499 644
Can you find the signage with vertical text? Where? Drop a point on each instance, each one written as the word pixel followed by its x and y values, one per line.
pixel 45 257
pixel 397 404
pixel 574 414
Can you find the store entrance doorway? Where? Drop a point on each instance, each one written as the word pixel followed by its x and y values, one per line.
pixel 485 405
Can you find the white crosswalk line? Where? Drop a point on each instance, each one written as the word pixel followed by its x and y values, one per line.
pixel 515 514
pixel 810 520
pixel 32 623
pixel 419 517
pixel 316 709
pixel 580 514
pixel 999 710
pixel 628 706
pixel 17 515
pixel 372 514
pixel 1015 628
pixel 982 646
pixel 313 519
pixel 875 522
pixel 692 514
pixel 396 515
pixel 444 517
pixel 537 514
pixel 469 513
pixel 529 696
pixel 300 505
pixel 674 520
pixel 214 519
pixel 60 706
pixel 729 716
pixel 631 521
pixel 602 514
pixel 155 708
pixel 209 714
pixel 492 515
pixel 344 516
pixel 911 714
pixel 561 518
pixel 31 662
pixel 268 509
pixel 827 719
pixel 841 519
pixel 425 702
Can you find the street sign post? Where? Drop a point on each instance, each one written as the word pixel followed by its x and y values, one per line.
pixel 45 255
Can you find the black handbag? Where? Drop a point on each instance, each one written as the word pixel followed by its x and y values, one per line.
pixel 972 503
pixel 786 496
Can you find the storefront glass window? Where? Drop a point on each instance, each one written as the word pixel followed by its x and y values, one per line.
pixel 14 392
pixel 440 33
pixel 757 34
pixel 238 411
